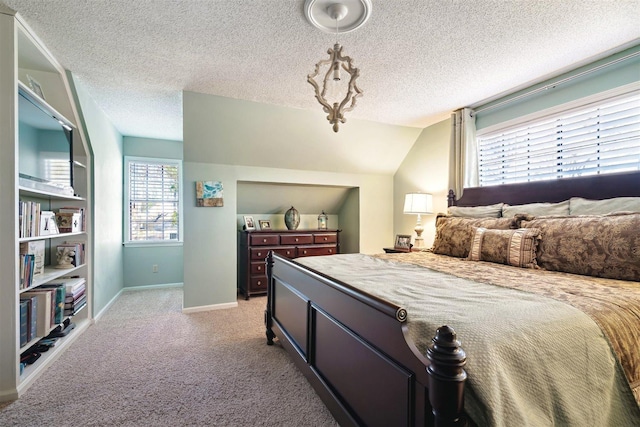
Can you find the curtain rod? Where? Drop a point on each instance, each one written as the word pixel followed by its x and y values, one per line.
pixel 559 82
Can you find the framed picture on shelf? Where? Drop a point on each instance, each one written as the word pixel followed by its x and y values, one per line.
pixel 403 242
pixel 249 223
pixel 265 224
pixel 35 86
pixel 48 224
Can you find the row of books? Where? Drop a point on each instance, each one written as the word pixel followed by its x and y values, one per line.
pixel 76 296
pixel 31 262
pixel 34 222
pixel 46 306
pixel 29 218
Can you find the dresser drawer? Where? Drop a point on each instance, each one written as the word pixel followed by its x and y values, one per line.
pixel 258 284
pixel 317 250
pixel 296 239
pixel 260 253
pixel 325 238
pixel 258 268
pixel 289 251
pixel 264 239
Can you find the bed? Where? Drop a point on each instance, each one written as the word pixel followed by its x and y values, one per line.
pixel 350 322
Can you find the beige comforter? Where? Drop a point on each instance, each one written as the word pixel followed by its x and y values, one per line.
pixel 532 360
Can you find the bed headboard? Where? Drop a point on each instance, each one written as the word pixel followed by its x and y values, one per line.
pixel 595 187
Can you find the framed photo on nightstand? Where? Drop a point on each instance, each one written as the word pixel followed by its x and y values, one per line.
pixel 403 242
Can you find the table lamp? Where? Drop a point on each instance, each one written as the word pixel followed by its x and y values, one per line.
pixel 418 203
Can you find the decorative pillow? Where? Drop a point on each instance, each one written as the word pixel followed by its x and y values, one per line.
pixel 537 209
pixel 489 211
pixel 601 246
pixel 511 247
pixel 580 206
pixel 454 234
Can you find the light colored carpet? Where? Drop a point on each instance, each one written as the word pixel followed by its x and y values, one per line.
pixel 147 364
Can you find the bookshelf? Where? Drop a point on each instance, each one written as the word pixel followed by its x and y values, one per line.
pixel 40 135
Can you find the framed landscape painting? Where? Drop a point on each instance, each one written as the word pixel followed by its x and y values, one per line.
pixel 209 194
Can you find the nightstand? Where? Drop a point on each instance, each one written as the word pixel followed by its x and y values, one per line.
pixel 395 251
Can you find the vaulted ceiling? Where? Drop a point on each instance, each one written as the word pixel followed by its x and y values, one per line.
pixel 419 59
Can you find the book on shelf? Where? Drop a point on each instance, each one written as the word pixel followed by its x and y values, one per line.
pixel 24 322
pixel 35 248
pixel 27 262
pixel 45 309
pixel 33 318
pixel 60 294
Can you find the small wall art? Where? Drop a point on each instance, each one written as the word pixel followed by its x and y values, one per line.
pixel 209 194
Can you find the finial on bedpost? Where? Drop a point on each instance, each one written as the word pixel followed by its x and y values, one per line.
pixel 451 198
pixel 446 378
pixel 268 322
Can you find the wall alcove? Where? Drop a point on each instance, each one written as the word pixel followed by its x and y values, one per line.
pixel 266 200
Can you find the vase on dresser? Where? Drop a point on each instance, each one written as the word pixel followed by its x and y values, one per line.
pixel 292 218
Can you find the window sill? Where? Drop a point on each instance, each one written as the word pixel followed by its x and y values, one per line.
pixel 150 244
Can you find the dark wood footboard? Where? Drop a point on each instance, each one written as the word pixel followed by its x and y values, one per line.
pixel 352 348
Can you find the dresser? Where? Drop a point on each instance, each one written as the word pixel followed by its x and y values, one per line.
pixel 253 247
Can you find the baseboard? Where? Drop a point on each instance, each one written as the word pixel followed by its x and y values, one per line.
pixel 106 307
pixel 223 306
pixel 143 287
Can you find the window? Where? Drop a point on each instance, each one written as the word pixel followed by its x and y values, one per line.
pixel 601 137
pixel 152 200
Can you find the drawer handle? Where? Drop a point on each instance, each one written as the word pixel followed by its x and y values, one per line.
pixel 325 239
pixel 296 239
pixel 259 253
pixel 304 252
pixel 259 283
pixel 259 267
pixel 264 240
pixel 330 250
pixel 288 252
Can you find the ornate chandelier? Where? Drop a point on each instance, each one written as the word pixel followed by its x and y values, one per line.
pixel 337 91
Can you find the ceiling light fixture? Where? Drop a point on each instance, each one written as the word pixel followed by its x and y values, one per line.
pixel 338 93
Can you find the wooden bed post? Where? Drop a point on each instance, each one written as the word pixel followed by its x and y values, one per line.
pixel 446 378
pixel 268 321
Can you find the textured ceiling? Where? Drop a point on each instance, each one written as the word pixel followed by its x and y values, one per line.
pixel 419 59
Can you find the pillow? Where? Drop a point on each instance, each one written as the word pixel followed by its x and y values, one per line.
pixel 537 209
pixel 489 211
pixel 511 247
pixel 602 246
pixel 580 206
pixel 454 234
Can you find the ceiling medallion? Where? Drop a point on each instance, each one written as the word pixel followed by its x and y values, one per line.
pixel 337 95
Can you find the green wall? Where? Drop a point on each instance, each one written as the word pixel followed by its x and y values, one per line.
pixel 624 72
pixel 426 169
pixel 210 248
pixel 106 145
pixel 139 260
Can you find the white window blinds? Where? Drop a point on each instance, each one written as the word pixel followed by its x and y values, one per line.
pixel 601 137
pixel 153 200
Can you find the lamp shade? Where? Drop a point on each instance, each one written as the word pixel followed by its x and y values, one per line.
pixel 418 203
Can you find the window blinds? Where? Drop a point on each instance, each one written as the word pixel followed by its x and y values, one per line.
pixel 598 138
pixel 153 201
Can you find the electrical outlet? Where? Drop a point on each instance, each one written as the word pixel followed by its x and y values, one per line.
pixel 154 268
